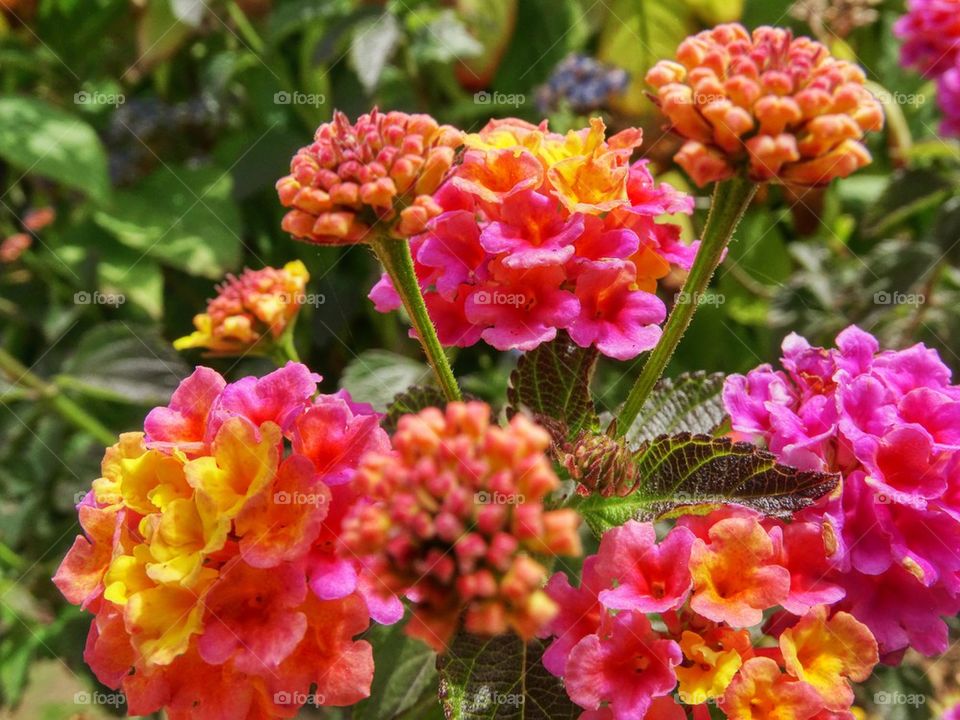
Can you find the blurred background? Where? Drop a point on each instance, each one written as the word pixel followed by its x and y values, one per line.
pixel 140 141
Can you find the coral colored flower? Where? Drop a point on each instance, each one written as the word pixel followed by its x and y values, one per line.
pixel 762 690
pixel 626 665
pixel 781 107
pixel 542 232
pixel 649 577
pixel 887 421
pixel 252 310
pixel 202 552
pixel 735 575
pixel 384 168
pixel 455 519
pixel 828 652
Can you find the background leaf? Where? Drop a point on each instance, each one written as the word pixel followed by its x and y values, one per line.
pixel 377 376
pixel 405 672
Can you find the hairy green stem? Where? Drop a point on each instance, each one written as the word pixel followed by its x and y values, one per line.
pixel 395 257
pixel 730 201
pixel 20 375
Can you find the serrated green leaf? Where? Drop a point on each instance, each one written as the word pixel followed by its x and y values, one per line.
pixel 377 376
pixel 688 473
pixel 406 671
pixel 553 382
pixel 692 402
pixel 500 678
pixel 40 139
pixel 184 217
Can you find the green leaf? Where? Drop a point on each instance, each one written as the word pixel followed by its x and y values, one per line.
pixel 184 217
pixel 374 41
pixel 376 376
pixel 412 400
pixel 910 192
pixel 122 363
pixel 40 139
pixel 690 403
pixel 552 382
pixel 483 678
pixel 688 473
pixel 445 39
pixel 406 670
pixel 946 229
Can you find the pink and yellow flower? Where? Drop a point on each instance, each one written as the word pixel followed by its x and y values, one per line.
pixel 254 309
pixel 209 553
pixel 781 108
pixel 456 519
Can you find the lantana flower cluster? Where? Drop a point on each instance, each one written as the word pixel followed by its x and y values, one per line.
pixel 781 107
pixel 381 170
pixel 210 554
pixel 541 232
pixel 889 422
pixel 930 31
pixel 256 308
pixel 454 520
pixel 656 627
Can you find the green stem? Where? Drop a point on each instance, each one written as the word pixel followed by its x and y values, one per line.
pixel 284 350
pixel 395 257
pixel 67 408
pixel 730 201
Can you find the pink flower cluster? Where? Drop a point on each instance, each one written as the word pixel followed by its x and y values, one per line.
pixel 709 580
pixel 211 556
pixel 930 31
pixel 543 232
pixel 890 423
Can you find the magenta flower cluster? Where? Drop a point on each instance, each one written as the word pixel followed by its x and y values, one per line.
pixel 889 422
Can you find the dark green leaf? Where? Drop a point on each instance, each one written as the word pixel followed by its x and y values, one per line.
pixel 691 403
pixel 946 230
pixel 184 217
pixel 376 376
pixel 687 473
pixel 908 193
pixel 500 677
pixel 406 671
pixel 40 139
pixel 553 382
pixel 412 400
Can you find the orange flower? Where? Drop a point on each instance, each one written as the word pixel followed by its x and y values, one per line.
pixel 781 107
pixel 828 653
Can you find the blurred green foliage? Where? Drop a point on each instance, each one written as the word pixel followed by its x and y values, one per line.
pixel 155 130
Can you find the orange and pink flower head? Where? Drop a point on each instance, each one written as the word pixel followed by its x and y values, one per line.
pixel 767 104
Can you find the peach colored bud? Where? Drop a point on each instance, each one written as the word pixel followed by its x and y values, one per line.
pixel 766 104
